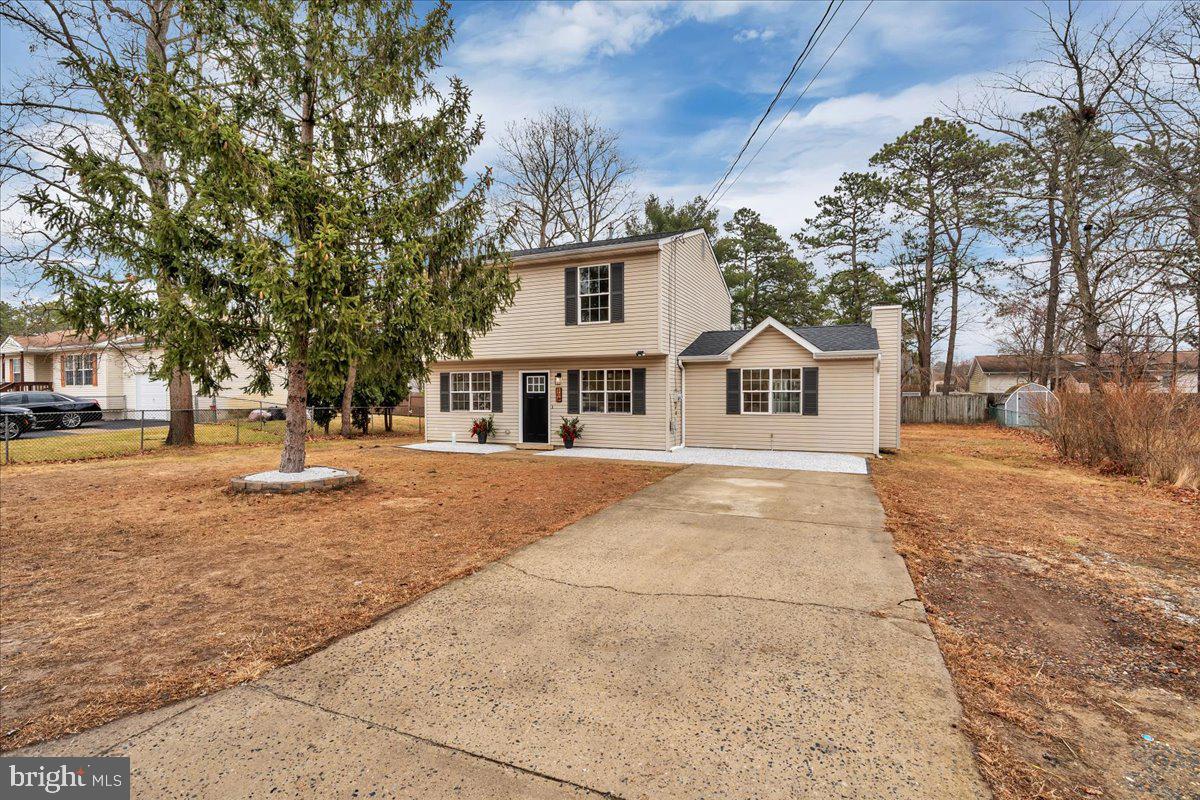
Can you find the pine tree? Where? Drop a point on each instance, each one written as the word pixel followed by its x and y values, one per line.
pixel 358 231
pixel 764 276
pixel 847 230
pixel 660 216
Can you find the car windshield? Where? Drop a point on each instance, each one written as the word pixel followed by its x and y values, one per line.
pixel 12 399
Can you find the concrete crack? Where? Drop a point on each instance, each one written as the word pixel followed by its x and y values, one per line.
pixel 188 706
pixel 440 745
pixel 868 528
pixel 718 596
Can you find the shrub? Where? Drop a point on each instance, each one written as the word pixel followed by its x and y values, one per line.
pixel 1131 429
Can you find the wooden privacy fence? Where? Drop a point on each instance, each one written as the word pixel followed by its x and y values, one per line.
pixel 944 408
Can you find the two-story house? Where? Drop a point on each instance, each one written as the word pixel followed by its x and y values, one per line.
pixel 632 336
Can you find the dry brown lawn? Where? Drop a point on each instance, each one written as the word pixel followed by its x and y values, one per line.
pixel 1067 605
pixel 131 583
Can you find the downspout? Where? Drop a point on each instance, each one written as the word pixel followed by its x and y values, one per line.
pixel 682 405
pixel 878 360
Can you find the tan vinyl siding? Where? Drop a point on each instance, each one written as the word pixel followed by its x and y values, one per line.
pixel 640 431
pixel 535 326
pixel 887 323
pixel 108 389
pixel 690 275
pixel 978 381
pixel 845 422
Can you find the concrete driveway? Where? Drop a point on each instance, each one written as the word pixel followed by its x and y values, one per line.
pixel 728 632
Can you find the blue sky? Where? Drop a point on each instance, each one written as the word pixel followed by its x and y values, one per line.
pixel 683 83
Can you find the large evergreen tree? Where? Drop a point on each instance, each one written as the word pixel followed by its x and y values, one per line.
pixel 89 148
pixel 847 230
pixel 764 275
pixel 360 237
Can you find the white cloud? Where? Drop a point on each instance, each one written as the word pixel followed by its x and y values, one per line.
pixel 754 34
pixel 561 36
pixel 554 36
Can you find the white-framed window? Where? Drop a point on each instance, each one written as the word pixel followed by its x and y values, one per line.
pixel 756 391
pixel 470 391
pixel 594 297
pixel 535 384
pixel 606 391
pixel 787 391
pixel 773 390
pixel 79 369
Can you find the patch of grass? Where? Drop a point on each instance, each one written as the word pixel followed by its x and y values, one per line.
pixel 91 442
pixel 1055 593
pixel 143 582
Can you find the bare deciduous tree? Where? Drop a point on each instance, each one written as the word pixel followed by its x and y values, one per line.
pixel 1097 193
pixel 1162 99
pixel 563 178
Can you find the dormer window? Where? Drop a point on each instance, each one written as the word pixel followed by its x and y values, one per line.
pixel 594 295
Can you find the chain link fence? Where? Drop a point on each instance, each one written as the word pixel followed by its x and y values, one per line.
pixel 72 435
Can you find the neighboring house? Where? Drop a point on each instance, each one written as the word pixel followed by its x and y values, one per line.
pixel 632 336
pixel 114 370
pixel 1000 373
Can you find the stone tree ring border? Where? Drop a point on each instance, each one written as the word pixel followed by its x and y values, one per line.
pixel 318 484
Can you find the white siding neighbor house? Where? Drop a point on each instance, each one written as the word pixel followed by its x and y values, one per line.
pixel 115 371
pixel 632 335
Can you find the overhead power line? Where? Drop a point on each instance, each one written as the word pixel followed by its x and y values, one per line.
pixel 826 18
pixel 796 102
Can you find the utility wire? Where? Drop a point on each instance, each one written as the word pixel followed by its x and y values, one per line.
pixel 796 102
pixel 813 38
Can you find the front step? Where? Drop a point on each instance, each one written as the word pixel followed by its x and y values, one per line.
pixel 533 446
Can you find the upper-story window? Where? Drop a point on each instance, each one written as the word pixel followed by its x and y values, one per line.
pixel 79 369
pixel 594 294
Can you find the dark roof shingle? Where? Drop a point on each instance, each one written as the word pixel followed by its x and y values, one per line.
pixel 599 243
pixel 829 338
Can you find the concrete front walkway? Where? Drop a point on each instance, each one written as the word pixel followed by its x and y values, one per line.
pixel 727 632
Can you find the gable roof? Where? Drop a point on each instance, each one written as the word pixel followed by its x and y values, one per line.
pixel 64 340
pixel 1069 362
pixel 600 244
pixel 825 338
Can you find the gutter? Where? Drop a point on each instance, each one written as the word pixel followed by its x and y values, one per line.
pixel 638 247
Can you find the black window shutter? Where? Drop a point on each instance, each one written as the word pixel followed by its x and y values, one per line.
pixel 616 290
pixel 639 391
pixel 810 391
pixel 733 391
pixel 444 379
pixel 572 391
pixel 497 391
pixel 571 294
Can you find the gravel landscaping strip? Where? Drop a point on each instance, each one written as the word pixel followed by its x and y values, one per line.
pixel 459 447
pixel 767 459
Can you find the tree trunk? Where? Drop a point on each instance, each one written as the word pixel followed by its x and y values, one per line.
pixel 925 341
pixel 1050 337
pixel 292 458
pixel 181 431
pixel 948 373
pixel 348 398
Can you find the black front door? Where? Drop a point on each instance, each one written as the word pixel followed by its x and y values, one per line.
pixel 535 410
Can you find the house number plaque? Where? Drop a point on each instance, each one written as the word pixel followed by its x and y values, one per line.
pixel 558 394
